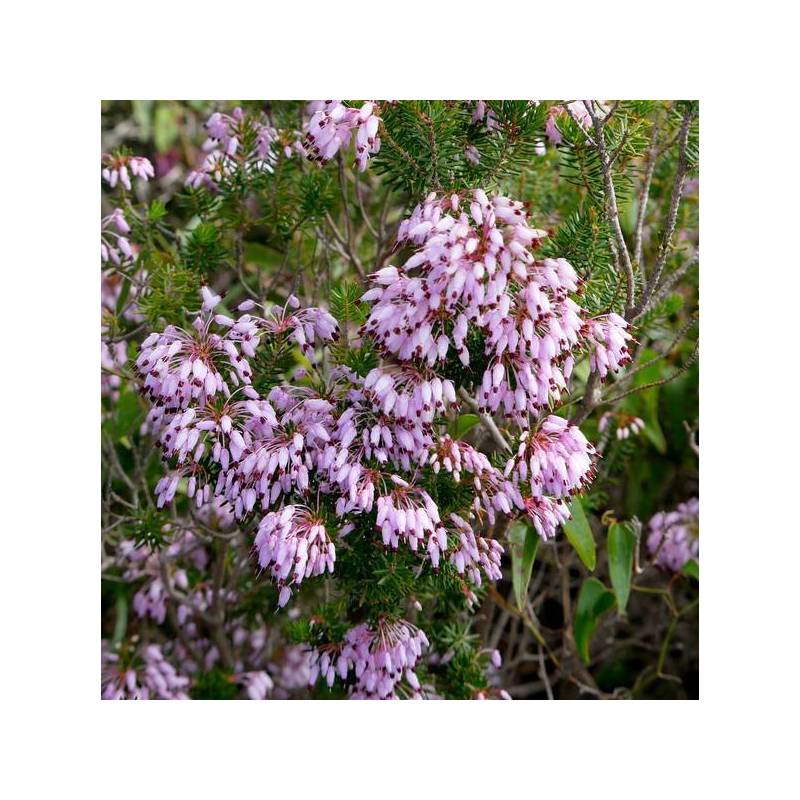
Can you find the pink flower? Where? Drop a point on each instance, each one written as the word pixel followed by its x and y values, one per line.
pixel 294 545
pixel 608 337
pixel 119 168
pixel 331 126
pixel 381 658
pixel 674 537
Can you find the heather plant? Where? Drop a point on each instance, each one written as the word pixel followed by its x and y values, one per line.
pixel 399 399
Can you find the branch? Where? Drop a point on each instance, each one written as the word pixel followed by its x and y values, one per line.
pixel 611 205
pixel 486 420
pixel 644 196
pixel 672 216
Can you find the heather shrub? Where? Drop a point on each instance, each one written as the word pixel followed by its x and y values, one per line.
pixel 399 399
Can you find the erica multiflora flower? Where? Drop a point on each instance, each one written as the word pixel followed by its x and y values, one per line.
pixel 476 266
pixel 456 456
pixel 555 460
pixel 407 513
pixel 119 169
pixel 473 554
pixel 332 125
pixel 625 424
pixel 305 326
pixel 472 155
pixel 674 536
pixel 294 544
pixel 147 676
pixel 608 338
pixel 257 684
pixel 380 658
pixel 485 114
pixel 114 245
pixel 235 142
pixel 550 127
pixel 183 366
pixel 546 514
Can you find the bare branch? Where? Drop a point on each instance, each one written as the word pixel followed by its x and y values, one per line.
pixel 488 422
pixel 672 216
pixel 611 206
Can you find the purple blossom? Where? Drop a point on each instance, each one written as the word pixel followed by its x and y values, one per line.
pixel 114 245
pixel 674 537
pixel 556 459
pixel 331 126
pixel 473 554
pixel 407 513
pixel 119 168
pixel 381 658
pixel 223 148
pixel 294 545
pixel 149 676
pixel 608 337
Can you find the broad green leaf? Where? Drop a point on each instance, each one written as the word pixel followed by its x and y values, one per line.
pixel 463 424
pixel 524 543
pixel 594 600
pixel 579 533
pixel 692 569
pixel 621 543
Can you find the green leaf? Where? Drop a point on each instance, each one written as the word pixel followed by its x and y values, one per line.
pixel 463 424
pixel 692 569
pixel 621 543
pixel 594 600
pixel 579 533
pixel 157 211
pixel 524 543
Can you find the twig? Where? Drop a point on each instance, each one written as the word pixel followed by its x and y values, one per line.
pixel 672 215
pixel 644 196
pixel 691 430
pixel 488 422
pixel 611 205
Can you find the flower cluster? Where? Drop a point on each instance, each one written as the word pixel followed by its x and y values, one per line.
pixel 234 141
pixel 674 537
pixel 474 554
pixel 379 657
pixel 294 544
pixel 114 246
pixel 608 338
pixel 483 113
pixel 119 168
pixel 556 460
pixel 304 459
pixel 149 677
pixel 409 514
pixel 474 265
pixel 331 126
pixel 626 424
